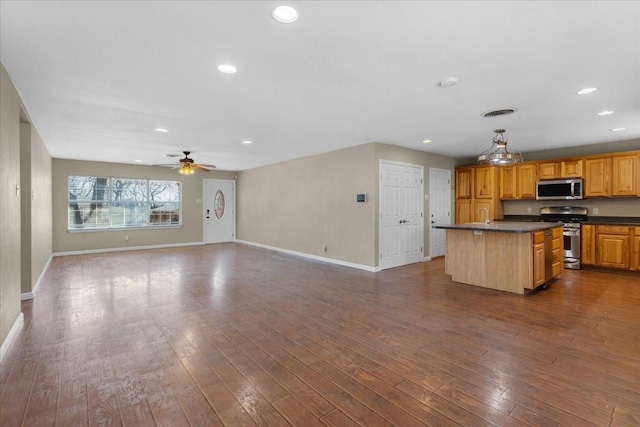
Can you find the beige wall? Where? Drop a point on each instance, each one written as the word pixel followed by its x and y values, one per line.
pixel 190 232
pixel 9 204
pixel 36 206
pixel 427 160
pixel 304 204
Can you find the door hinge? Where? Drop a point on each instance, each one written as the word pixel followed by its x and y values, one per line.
pixel 420 248
pixel 380 256
pixel 420 180
pixel 421 215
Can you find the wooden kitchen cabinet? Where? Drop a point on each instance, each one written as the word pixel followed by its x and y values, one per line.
pixel 557 251
pixel 625 176
pixel 527 175
pixel 484 182
pixel 464 183
pixel 612 246
pixel 571 169
pixel 597 177
pixel 538 258
pixel 635 249
pixel 463 211
pixel 588 245
pixel 476 188
pixel 508 182
pixel 548 170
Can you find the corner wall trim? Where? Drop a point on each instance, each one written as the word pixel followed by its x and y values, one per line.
pixel 127 248
pixel 6 344
pixel 314 257
pixel 36 286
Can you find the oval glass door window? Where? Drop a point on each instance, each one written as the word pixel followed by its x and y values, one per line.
pixel 218 204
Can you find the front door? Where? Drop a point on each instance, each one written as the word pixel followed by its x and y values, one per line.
pixel 401 214
pixel 439 209
pixel 219 211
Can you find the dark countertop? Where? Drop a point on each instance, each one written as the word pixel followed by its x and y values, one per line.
pixel 502 226
pixel 591 220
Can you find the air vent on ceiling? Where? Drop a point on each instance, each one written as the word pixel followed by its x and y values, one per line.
pixel 501 112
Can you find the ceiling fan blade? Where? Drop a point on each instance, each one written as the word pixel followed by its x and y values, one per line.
pixel 167 165
pixel 199 167
pixel 207 166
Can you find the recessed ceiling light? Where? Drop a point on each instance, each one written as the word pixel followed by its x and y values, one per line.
pixel 448 82
pixel 586 90
pixel 227 69
pixel 426 141
pixel 285 14
pixel 605 113
pixel 161 130
pixel 138 161
pixel 246 141
pixel 617 129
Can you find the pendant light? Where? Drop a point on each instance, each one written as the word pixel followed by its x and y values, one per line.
pixel 498 155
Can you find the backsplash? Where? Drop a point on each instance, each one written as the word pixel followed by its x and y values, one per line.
pixel 596 207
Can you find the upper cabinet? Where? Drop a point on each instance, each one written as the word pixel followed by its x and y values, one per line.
pixel 612 176
pixel 625 176
pixel 508 182
pixel 597 177
pixel 484 181
pixel 571 169
pixel 527 174
pixel 548 170
pixel 559 169
pixel 464 183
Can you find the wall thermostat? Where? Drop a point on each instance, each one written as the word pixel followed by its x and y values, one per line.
pixel 361 198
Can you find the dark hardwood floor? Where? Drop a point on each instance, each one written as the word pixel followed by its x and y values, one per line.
pixel 235 335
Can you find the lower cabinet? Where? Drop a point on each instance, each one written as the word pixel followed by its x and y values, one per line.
pixel 611 246
pixel 539 255
pixel 635 249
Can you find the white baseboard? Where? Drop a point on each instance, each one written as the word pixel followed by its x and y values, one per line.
pixel 427 258
pixel 32 294
pixel 128 248
pixel 314 257
pixel 6 344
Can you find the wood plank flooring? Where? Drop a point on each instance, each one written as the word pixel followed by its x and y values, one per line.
pixel 232 335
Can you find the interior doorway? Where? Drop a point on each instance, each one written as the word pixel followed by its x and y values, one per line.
pixel 401 229
pixel 439 209
pixel 219 210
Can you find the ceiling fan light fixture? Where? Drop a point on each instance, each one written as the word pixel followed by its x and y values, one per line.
pixel 186 169
pixel 498 155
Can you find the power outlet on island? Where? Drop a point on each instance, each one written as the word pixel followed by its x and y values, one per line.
pixel 596 211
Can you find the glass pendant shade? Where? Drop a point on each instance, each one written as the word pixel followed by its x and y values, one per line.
pixel 186 169
pixel 498 155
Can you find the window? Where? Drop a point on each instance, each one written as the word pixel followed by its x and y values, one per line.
pixel 107 202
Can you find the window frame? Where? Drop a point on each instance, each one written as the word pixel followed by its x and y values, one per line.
pixel 110 202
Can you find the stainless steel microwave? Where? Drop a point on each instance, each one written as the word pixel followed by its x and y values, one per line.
pixel 560 189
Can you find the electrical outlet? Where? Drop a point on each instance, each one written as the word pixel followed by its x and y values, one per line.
pixel 126 238
pixel 324 248
pixel 528 210
pixel 596 211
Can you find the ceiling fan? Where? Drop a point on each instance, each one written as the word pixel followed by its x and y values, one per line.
pixel 187 166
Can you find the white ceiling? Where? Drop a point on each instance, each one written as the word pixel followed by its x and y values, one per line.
pixel 98 77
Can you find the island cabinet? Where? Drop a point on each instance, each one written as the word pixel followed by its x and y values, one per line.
pixel 508 256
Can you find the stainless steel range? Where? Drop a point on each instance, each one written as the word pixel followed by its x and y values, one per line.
pixel 570 217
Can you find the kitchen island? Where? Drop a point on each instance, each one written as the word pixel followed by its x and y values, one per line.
pixel 504 255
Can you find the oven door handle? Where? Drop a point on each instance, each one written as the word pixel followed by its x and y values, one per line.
pixel 571 232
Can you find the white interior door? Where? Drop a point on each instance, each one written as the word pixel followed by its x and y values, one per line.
pixel 401 214
pixel 219 210
pixel 439 209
